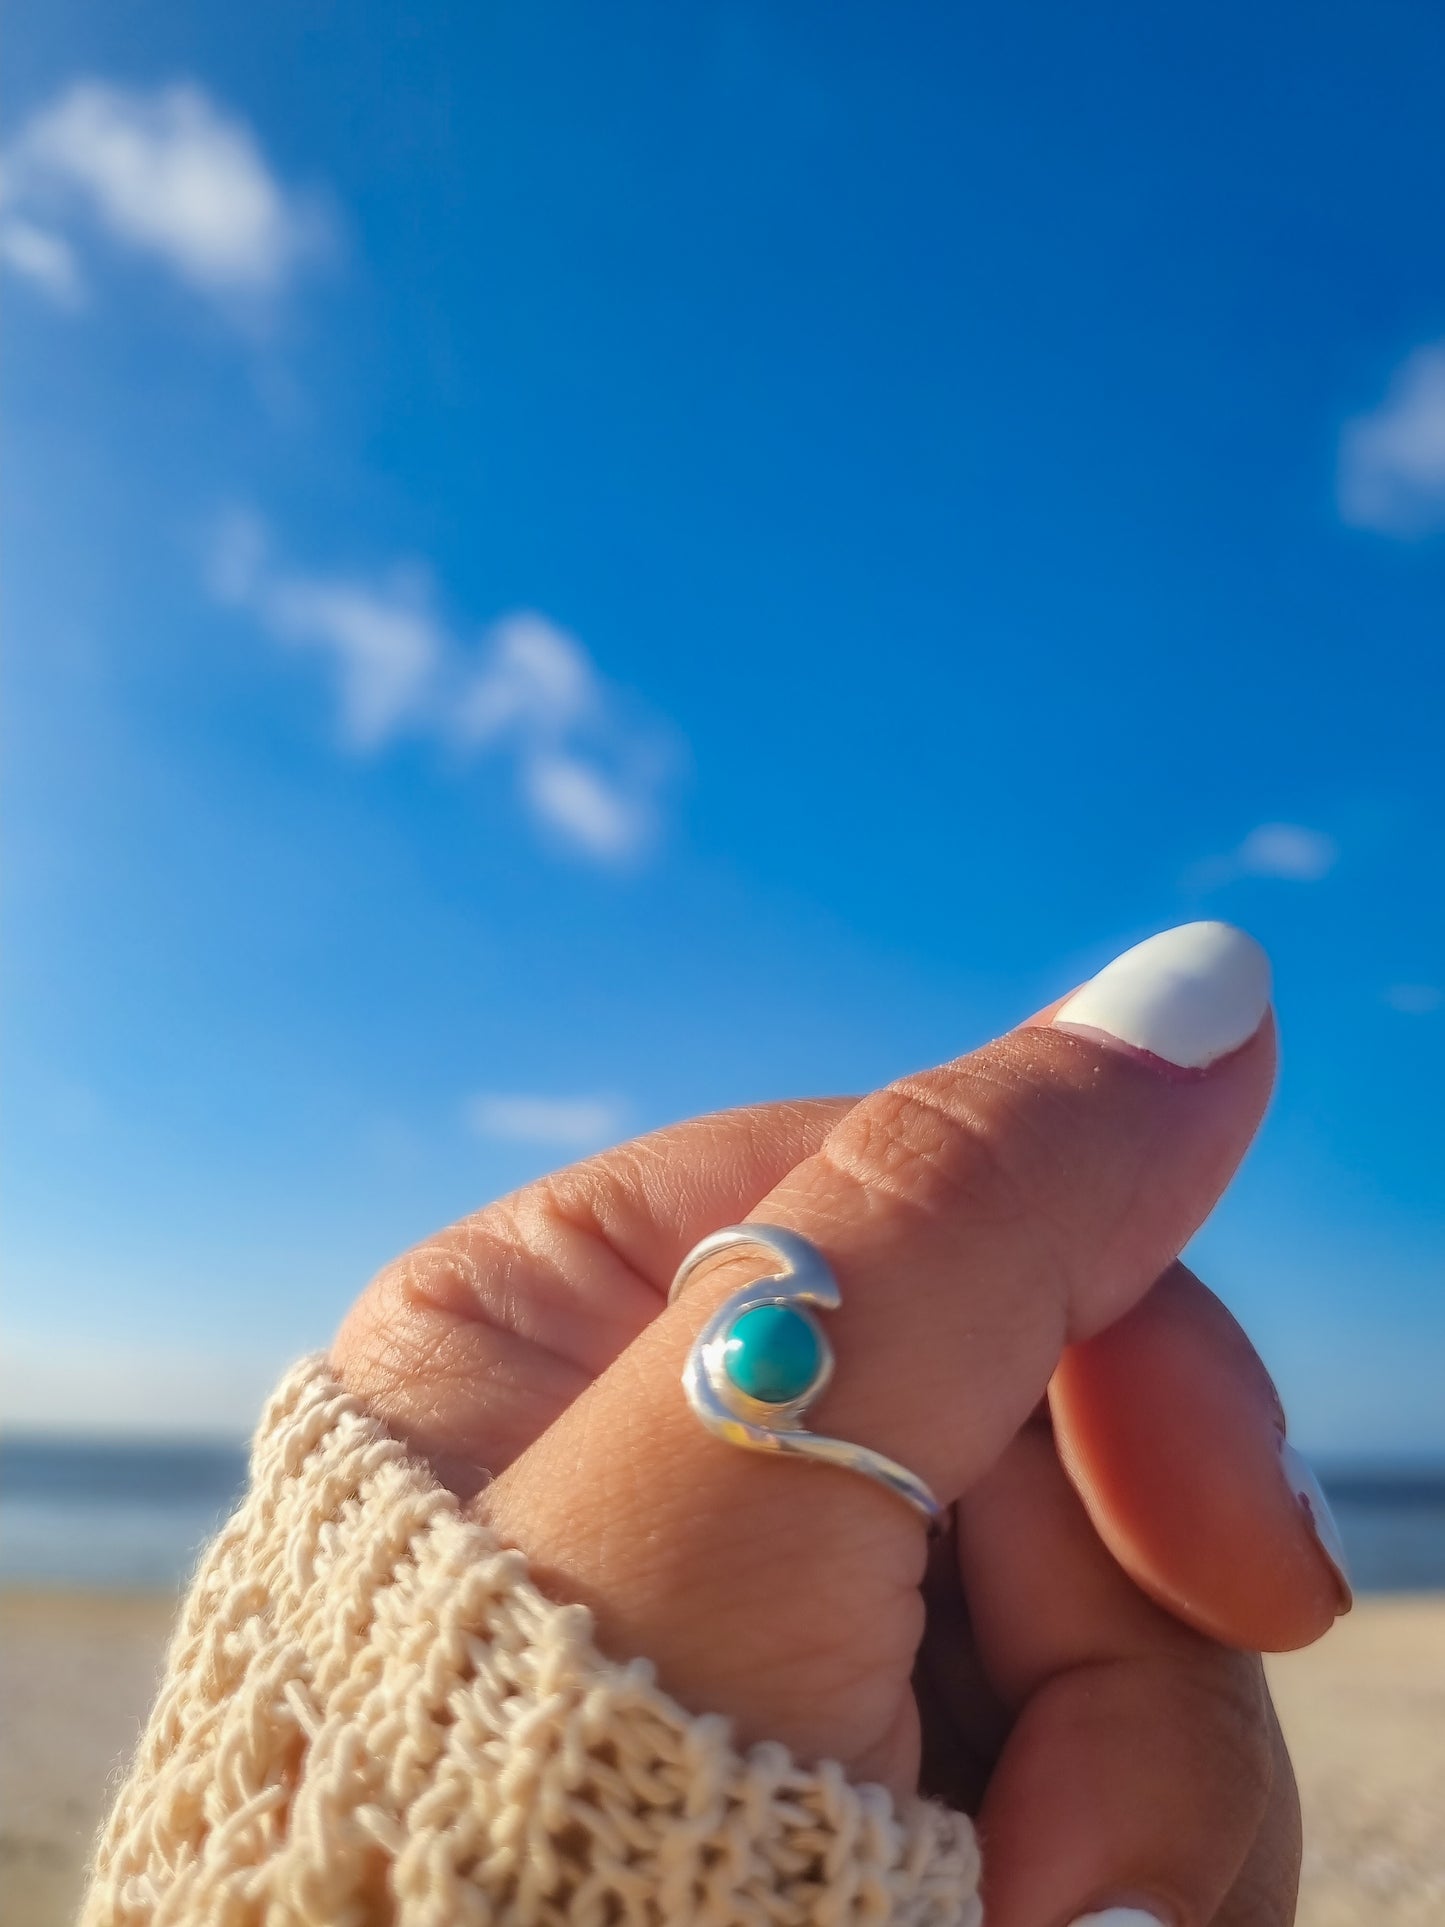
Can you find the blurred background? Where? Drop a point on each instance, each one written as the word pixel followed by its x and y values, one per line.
pixel 569 566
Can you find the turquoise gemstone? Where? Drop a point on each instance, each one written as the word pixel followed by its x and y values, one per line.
pixel 773 1353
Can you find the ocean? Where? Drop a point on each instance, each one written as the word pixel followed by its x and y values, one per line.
pixel 105 1514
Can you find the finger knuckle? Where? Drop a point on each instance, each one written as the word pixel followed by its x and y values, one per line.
pixel 971 1152
pixel 1226 1707
pixel 381 1345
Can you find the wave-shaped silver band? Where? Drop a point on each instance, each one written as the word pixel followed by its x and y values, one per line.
pixel 730 1413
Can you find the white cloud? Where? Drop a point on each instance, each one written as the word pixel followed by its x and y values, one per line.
pixel 167 174
pixel 1392 460
pixel 561 1123
pixel 585 773
pixel 586 806
pixel 1415 1000
pixel 1287 850
pixel 536 678
pixel 1282 850
pixel 383 643
pixel 44 258
pixel 588 771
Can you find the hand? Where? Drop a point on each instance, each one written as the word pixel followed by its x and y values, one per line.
pixel 1075 1661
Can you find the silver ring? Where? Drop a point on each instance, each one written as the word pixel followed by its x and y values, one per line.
pixel 763 1357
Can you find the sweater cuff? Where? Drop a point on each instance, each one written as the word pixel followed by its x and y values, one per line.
pixel 370 1712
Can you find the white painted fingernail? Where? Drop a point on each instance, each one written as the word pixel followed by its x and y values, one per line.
pixel 1316 1508
pixel 1120 1917
pixel 1188 996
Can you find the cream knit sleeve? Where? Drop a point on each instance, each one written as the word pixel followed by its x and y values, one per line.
pixel 372 1717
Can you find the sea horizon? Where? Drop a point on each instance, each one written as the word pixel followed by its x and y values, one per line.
pixel 104 1511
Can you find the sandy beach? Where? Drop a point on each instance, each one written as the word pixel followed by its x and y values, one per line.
pixel 1365 1715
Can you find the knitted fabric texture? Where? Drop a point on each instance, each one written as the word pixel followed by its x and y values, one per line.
pixel 372 1717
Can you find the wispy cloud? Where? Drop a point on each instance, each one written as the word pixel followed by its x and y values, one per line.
pixel 1286 850
pixel 590 768
pixel 166 174
pixel 1415 1000
pixel 1392 460
pixel 585 806
pixel 537 679
pixel 385 647
pixel 560 1123
pixel 44 258
pixel 1283 850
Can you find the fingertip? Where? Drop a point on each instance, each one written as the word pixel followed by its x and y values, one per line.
pixel 1186 997
pixel 1173 1435
pixel 1184 1004
pixel 1310 1497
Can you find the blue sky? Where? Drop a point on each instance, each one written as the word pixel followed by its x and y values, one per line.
pixel 569 566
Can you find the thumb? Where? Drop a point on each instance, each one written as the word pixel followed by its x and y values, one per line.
pixel 978 1217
